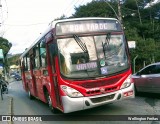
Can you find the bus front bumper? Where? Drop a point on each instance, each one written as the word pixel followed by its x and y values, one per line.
pixel 76 104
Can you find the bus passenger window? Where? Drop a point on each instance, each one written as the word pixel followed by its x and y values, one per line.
pixel 43 58
pixel 36 57
pixel 28 63
pixel 25 64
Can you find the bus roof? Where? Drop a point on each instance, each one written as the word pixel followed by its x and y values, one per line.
pixel 53 24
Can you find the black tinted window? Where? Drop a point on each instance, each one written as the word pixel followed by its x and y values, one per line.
pixel 157 69
pixel 149 70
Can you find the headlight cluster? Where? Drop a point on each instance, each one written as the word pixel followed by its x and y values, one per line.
pixel 71 92
pixel 127 82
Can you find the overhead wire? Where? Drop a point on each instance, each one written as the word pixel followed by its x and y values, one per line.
pixel 1 20
pixel 1 12
pixel 68 9
pixel 68 6
pixel 27 24
pixel 3 16
pixel 6 8
pixel 82 3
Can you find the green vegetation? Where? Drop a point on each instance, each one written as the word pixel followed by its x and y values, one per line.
pixel 5 45
pixel 14 60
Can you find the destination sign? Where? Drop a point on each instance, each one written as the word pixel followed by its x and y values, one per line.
pixel 73 27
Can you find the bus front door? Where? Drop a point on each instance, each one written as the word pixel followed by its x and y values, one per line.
pixel 53 63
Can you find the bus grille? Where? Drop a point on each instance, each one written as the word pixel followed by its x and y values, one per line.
pixel 99 83
pixel 102 99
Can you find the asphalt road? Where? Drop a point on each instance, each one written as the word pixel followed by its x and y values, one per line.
pixel 144 106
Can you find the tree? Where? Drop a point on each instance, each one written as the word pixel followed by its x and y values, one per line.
pixel 60 18
pixel 97 8
pixel 14 60
pixel 5 45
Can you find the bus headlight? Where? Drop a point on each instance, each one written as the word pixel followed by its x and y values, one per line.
pixel 127 82
pixel 71 92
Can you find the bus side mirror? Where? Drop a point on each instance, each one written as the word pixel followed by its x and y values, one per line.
pixel 53 49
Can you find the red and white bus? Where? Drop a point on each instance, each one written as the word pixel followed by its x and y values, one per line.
pixel 78 64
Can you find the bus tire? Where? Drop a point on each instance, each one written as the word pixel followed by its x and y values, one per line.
pixel 29 95
pixel 49 102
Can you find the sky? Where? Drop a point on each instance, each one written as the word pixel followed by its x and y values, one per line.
pixel 24 20
pixel 152 3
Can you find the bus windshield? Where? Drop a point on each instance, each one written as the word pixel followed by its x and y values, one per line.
pixel 103 55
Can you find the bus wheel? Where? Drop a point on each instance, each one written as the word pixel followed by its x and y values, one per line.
pixel 29 95
pixel 49 102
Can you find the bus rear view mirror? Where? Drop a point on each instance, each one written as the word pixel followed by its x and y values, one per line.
pixel 53 48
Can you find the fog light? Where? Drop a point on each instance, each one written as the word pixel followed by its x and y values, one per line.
pixel 87 103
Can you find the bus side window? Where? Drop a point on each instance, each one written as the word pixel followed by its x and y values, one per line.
pixel 43 58
pixel 22 65
pixel 36 57
pixel 32 61
pixel 25 63
pixel 28 62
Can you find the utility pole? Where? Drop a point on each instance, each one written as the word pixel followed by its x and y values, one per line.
pixel 140 20
pixel 134 61
pixel 112 9
pixel 119 13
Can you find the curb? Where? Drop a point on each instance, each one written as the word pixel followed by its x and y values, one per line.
pixel 10 108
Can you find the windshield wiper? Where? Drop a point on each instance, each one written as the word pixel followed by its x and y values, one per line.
pixel 106 44
pixel 80 43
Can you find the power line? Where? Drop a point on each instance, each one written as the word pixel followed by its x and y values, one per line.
pixel 70 7
pixel 1 13
pixel 1 20
pixel 4 19
pixel 82 2
pixel 112 9
pixel 27 24
pixel 6 7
